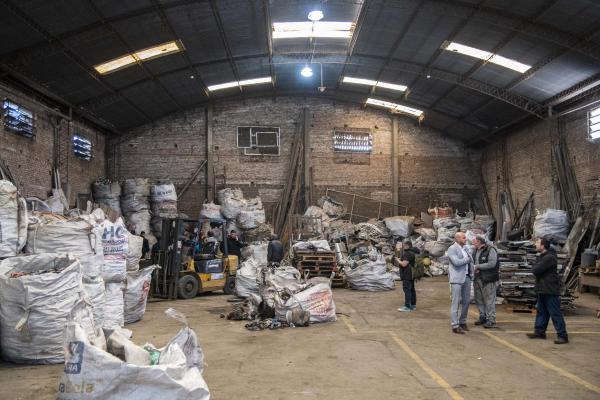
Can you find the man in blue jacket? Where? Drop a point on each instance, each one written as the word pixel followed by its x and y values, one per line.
pixel 547 287
pixel 460 276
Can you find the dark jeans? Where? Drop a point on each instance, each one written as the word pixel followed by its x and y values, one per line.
pixel 410 295
pixel 548 306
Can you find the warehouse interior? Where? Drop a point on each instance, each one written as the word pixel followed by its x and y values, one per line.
pixel 153 151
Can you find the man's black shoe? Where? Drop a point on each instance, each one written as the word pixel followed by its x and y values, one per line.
pixel 480 322
pixel 458 330
pixel 561 340
pixel 464 327
pixel 536 336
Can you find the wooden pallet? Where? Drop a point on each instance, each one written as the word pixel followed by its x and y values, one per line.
pixel 316 257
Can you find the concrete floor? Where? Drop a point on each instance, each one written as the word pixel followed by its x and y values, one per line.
pixel 372 352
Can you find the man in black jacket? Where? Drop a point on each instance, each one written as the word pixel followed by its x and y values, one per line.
pixel 547 287
pixel 405 261
pixel 234 244
pixel 274 251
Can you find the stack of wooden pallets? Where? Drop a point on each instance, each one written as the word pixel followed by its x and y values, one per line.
pixel 318 264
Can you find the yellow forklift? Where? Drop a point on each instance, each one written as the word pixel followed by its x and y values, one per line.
pixel 188 268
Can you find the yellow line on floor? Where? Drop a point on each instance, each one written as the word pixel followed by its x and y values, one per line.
pixel 570 332
pixel 425 367
pixel 545 363
pixel 351 327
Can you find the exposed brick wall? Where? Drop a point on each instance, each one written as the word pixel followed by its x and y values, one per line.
pixel 528 155
pixel 31 161
pixel 432 168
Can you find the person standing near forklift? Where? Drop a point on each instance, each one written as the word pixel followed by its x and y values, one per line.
pixel 274 251
pixel 234 244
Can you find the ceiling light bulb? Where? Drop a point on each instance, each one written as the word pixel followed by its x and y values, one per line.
pixel 306 72
pixel 315 15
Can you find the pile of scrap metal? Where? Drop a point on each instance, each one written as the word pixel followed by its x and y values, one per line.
pixel 517 282
pixel 283 298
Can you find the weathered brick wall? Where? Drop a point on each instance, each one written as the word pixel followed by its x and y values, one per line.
pixel 31 161
pixel 525 158
pixel 432 168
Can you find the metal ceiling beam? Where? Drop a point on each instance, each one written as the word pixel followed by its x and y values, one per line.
pixel 362 15
pixel 36 87
pixel 269 30
pixel 507 20
pixel 105 99
pixel 581 89
pixel 188 62
pixel 42 46
pixel 399 65
pixel 509 97
pixel 223 35
pixel 527 75
pixel 70 54
pixel 450 38
pixel 149 73
pixel 536 16
pixel 398 42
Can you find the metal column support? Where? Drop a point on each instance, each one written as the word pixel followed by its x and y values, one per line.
pixel 307 160
pixel 395 176
pixel 210 168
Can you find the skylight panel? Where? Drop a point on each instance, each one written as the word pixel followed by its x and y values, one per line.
pixel 141 55
pixel 487 56
pixel 393 107
pixel 370 82
pixel 246 82
pixel 308 29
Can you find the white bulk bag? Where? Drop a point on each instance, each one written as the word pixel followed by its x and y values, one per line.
pixel 229 193
pixel 211 211
pixel 551 224
pixel 52 236
pixel 114 307
pixel 250 219
pixel 95 292
pixel 34 308
pixel 231 207
pixel 160 193
pixel 246 278
pixel 13 220
pixel 115 243
pixel 400 225
pixel 134 252
pixel 318 300
pixel 91 373
pixel 136 293
pixel 371 276
pixel 136 186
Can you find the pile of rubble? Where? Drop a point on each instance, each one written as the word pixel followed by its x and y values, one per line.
pixel 353 242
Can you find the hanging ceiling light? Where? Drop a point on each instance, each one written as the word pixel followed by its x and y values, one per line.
pixel 315 15
pixel 306 72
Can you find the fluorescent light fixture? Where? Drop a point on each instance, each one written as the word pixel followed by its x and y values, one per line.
pixel 487 56
pixel 116 64
pixel 306 72
pixel 394 107
pixel 307 29
pixel 315 15
pixel 370 82
pixel 141 55
pixel 255 81
pixel 245 82
pixel 158 51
